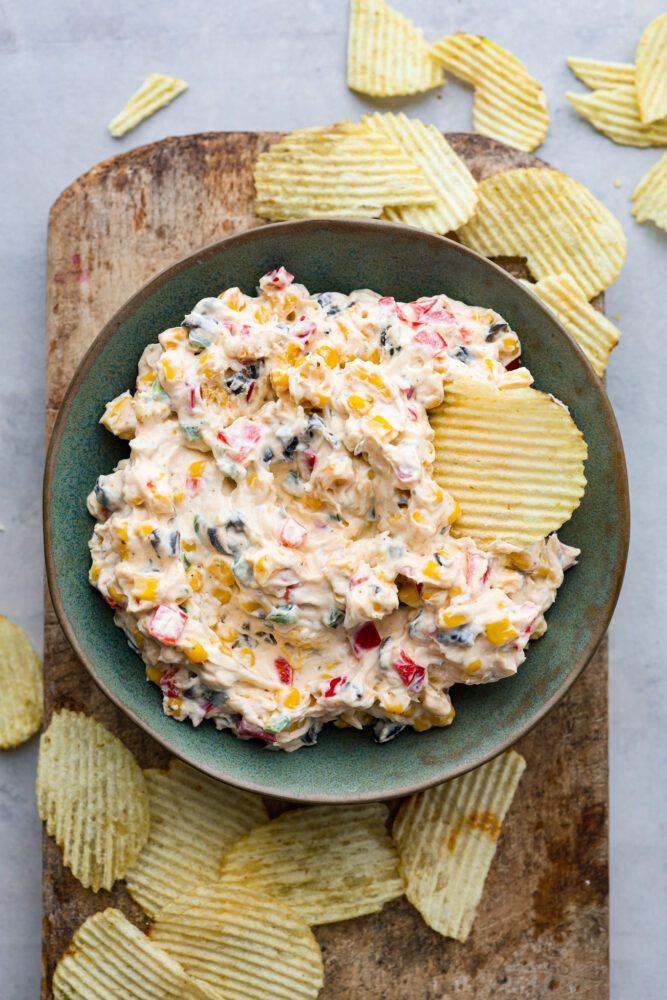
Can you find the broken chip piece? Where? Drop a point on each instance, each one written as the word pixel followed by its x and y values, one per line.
pixel 650 195
pixel 551 220
pixel 509 103
pixel 513 459
pixel 327 863
pixel 446 838
pixel 188 807
pixel 599 75
pixel 651 78
pixel 386 54
pixel 21 681
pixel 156 92
pixel 454 187
pixel 241 944
pixel 109 957
pixel 615 113
pixel 594 333
pixel 92 796
pixel 344 169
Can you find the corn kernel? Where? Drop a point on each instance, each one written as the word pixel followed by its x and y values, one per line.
pixel 489 364
pixel 312 502
pixel 292 699
pixel 226 633
pixel 173 705
pixel 279 379
pixel 222 594
pixel 330 356
pixel 501 632
pixel 431 570
pixel 454 514
pixel 171 371
pixel 178 496
pixel 359 404
pixel 421 725
pixel 473 667
pixel 188 546
pixel 197 469
pixel 250 606
pixel 196 653
pixel 249 653
pixel 195 579
pixel 383 424
pixel 451 619
pixel 293 352
pixel 408 594
pixel 222 571
pixel 95 571
pixel 154 674
pixel 146 588
pixel 138 638
pixel 115 594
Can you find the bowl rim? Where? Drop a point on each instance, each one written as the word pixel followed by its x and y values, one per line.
pixel 369 226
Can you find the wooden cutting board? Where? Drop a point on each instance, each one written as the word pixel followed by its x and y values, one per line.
pixel 542 926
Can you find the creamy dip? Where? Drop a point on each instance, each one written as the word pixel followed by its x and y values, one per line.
pixel 275 546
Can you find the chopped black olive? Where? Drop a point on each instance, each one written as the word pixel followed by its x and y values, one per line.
pixel 214 539
pixel 463 354
pixel 236 383
pixel 495 330
pixel 174 542
pixel 155 539
pixel 383 730
pixel 268 455
pixel 236 523
pixel 462 635
pixel 291 447
pixel 309 739
pixel 325 301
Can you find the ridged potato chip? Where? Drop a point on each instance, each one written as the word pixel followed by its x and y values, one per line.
pixel 651 79
pixel 241 944
pixel 594 333
pixel 343 169
pixel 446 838
pixel 327 863
pixel 454 187
pixel 21 682
pixel 156 91
pixel 551 220
pixel 509 103
pixel 93 798
pixel 513 459
pixel 650 195
pixel 110 958
pixel 601 75
pixel 615 113
pixel 187 807
pixel 386 54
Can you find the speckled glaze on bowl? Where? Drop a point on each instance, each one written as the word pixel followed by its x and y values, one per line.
pixel 345 765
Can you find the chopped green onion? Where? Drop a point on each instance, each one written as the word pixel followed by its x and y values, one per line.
pixel 283 614
pixel 278 725
pixel 158 391
pixel 293 484
pixel 242 570
pixel 334 618
pixel 190 431
pixel 197 340
pixel 197 523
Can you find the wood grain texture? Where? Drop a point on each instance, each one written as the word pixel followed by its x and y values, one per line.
pixel 542 926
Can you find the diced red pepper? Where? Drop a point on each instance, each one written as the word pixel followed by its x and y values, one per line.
pixel 250 391
pixel 278 278
pixel 412 675
pixel 310 457
pixel 407 390
pixel 240 445
pixel 433 311
pixel 405 474
pixel 193 396
pixel 292 533
pixel 366 637
pixel 513 365
pixel 167 624
pixel 413 413
pixel 285 671
pixel 193 485
pixel 465 334
pixel 334 684
pixel 356 580
pixel 474 562
pixel 243 728
pixel 304 328
pixel 169 690
pixel 388 302
pixel 432 339
pixel 246 330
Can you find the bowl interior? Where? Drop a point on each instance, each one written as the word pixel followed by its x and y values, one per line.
pixel 404 263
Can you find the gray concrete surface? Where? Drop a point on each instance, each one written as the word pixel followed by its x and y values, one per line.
pixel 66 69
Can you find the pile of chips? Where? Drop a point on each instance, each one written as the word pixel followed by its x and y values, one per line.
pixel 232 896
pixel 628 104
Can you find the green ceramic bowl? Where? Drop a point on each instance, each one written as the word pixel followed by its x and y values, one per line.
pixel 345 765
